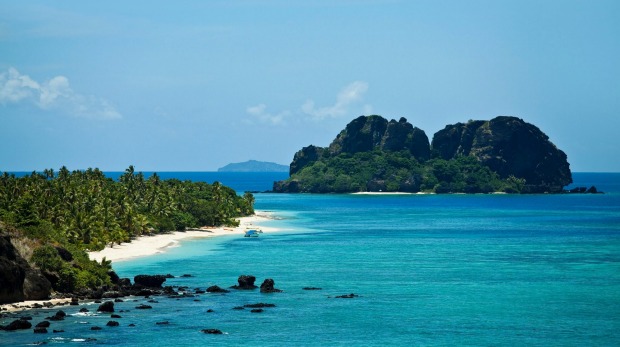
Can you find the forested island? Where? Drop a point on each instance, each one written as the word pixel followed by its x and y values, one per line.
pixel 49 220
pixel 372 154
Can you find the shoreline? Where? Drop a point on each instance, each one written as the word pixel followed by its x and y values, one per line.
pixel 144 246
pixel 154 244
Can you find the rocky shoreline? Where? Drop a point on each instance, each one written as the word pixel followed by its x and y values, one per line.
pixel 118 301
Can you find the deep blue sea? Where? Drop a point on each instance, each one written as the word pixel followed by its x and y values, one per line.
pixel 429 270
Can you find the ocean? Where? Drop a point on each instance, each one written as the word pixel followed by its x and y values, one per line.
pixel 425 270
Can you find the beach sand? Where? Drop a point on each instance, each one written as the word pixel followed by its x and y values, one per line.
pixel 150 245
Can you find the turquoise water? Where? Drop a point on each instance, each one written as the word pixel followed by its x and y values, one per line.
pixel 430 270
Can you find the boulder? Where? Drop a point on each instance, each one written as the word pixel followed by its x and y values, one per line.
pixel 107 306
pixel 43 324
pixel 36 286
pixel 112 323
pixel 40 330
pixel 18 324
pixel 268 286
pixel 151 281
pixel 246 282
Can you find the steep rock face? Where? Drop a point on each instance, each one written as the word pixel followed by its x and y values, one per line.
pixel 365 134
pixel 19 281
pixel 12 272
pixel 508 146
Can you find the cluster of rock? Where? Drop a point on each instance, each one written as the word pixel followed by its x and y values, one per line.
pixel 507 145
pixel 146 286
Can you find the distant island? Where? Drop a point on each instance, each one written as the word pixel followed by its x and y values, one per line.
pixel 254 166
pixel 372 154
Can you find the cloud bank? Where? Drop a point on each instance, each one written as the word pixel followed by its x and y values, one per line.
pixel 53 94
pixel 348 98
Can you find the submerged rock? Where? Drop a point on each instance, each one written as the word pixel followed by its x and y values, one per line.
pixel 347 296
pixel 18 324
pixel 211 331
pixel 216 289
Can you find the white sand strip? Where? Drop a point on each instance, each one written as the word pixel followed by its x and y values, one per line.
pixel 149 245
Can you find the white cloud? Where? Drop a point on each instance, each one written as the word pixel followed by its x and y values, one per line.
pixel 349 96
pixel 260 113
pixel 53 94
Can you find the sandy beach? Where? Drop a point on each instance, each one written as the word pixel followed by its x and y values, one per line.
pixel 149 245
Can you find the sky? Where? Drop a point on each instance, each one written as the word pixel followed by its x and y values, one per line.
pixel 195 85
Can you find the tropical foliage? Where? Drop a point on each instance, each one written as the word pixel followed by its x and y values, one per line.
pixel 397 171
pixel 85 210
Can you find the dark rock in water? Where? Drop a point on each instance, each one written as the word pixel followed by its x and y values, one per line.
pixel 145 293
pixel 60 315
pixel 151 281
pixel 119 300
pixel 311 288
pixel 43 324
pixel 131 325
pixel 95 328
pixel 58 331
pixel 112 323
pixel 210 311
pixel 238 308
pixel 143 307
pixel 124 282
pixel 257 310
pixel 267 286
pixel 199 291
pixel 168 276
pixel 592 190
pixel 153 301
pixel 186 275
pixel 162 323
pixel 40 330
pixel 347 296
pixel 18 324
pixel 259 305
pixel 212 331
pixel 83 309
pixel 168 290
pixel 216 289
pixel 107 306
pixel 75 301
pixel 245 282
pixel 115 316
pixel 510 147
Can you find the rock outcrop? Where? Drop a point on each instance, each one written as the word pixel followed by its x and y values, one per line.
pixel 18 280
pixel 367 133
pixel 510 147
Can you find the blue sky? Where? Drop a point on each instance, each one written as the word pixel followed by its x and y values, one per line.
pixel 194 85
